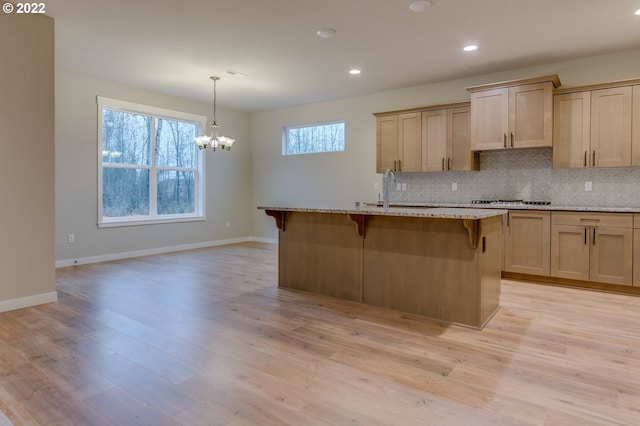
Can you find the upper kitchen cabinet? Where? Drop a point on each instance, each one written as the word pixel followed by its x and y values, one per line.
pixel 571 129
pixel 635 132
pixel 514 114
pixel 446 139
pixel 593 128
pixel 611 127
pixel 398 142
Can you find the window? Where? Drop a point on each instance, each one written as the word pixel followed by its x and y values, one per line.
pixel 150 170
pixel 321 137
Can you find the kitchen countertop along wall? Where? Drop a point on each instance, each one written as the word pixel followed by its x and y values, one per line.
pixel 525 174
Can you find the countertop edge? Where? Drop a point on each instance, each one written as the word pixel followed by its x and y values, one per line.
pixel 550 207
pixel 472 213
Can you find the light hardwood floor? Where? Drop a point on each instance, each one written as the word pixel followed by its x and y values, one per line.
pixel 205 337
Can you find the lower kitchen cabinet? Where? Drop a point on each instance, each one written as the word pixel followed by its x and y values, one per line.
pixel 527 236
pixel 636 250
pixel 594 247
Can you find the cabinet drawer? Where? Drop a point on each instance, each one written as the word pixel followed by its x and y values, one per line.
pixel 636 221
pixel 614 220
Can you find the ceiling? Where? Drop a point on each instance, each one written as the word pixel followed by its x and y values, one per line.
pixel 174 46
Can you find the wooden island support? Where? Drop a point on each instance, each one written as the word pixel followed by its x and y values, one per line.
pixel 441 263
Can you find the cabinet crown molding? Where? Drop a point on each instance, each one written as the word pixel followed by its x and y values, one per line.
pixel 424 108
pixel 553 78
pixel 620 83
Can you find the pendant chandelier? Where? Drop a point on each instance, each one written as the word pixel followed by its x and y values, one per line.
pixel 214 140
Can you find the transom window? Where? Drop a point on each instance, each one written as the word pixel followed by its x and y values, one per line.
pixel 150 169
pixel 312 138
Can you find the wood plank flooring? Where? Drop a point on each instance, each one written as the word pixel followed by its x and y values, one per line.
pixel 205 337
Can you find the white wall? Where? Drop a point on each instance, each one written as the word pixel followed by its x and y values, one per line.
pixel 339 179
pixel 27 272
pixel 228 183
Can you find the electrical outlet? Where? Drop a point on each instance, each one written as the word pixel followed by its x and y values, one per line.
pixel 228 224
pixel 398 186
pixel 71 238
pixel 588 186
pixel 454 186
pixel 404 186
pixel 376 187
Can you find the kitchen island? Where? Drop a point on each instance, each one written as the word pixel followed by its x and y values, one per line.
pixel 441 263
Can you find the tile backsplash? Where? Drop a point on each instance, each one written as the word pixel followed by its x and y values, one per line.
pixel 525 174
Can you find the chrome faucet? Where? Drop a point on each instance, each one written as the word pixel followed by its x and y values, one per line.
pixel 385 187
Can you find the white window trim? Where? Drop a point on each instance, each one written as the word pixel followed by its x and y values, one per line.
pixel 285 137
pixel 200 178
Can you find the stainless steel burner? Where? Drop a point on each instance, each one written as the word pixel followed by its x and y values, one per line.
pixel 507 203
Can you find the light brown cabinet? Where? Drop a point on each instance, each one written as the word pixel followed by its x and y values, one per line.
pixel 611 127
pixel 593 128
pixel 636 250
pixel 515 114
pixel 571 129
pixel 446 140
pixel 592 247
pixel 399 142
pixel 527 248
pixel 635 127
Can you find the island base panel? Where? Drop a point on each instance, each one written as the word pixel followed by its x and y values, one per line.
pixel 321 253
pixel 427 267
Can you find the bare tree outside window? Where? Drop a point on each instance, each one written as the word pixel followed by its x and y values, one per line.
pixel 322 137
pixel 150 166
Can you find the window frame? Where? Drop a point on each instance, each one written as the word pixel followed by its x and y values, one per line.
pixel 155 113
pixel 285 137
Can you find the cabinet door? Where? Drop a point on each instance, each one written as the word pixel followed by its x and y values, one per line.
pixel 527 243
pixel 570 252
pixel 410 142
pixel 636 250
pixel 489 119
pixel 459 140
pixel 572 130
pixel 611 255
pixel 530 115
pixel 635 132
pixel 434 140
pixel 387 142
pixel 611 127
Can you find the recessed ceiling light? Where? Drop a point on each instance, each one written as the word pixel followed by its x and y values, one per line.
pixel 326 32
pixel 420 6
pixel 638 12
pixel 470 48
pixel 354 71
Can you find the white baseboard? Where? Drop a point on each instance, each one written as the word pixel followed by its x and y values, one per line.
pixel 160 250
pixel 25 302
pixel 264 240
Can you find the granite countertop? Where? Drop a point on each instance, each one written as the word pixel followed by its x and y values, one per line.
pixel 551 207
pixel 457 212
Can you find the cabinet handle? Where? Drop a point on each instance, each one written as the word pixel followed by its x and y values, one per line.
pixel 593 159
pixel 505 140
pixel 442 163
pixel 594 236
pixel 508 218
pixel 448 163
pixel 512 138
pixel 585 236
pixel 585 158
pixel 399 165
pixel 394 166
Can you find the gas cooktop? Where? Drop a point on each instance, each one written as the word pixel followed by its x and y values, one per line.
pixel 511 202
